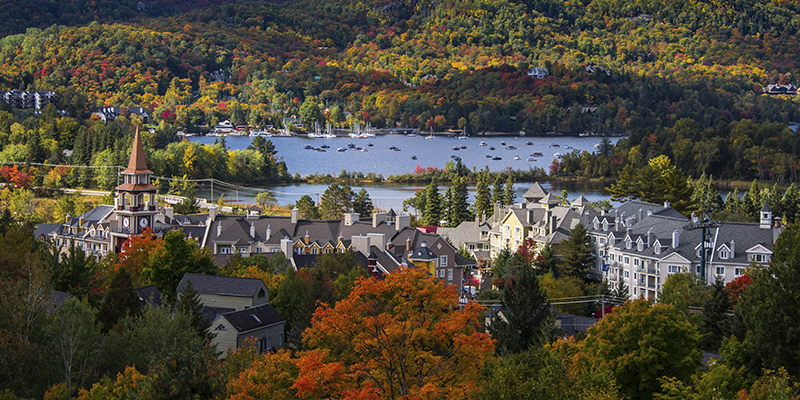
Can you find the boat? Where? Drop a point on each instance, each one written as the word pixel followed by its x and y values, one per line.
pixel 497 158
pixel 566 146
pixel 463 147
pixel 364 149
pixel 511 147
pixel 412 135
pixel 528 143
pixel 482 143
pixel 537 154
pixel 392 148
pixel 558 155
pixel 369 144
pixel 552 146
pixel 395 149
pixel 462 137
pixel 307 146
pixel 491 148
pixel 596 147
pixel 488 156
pixel 456 158
pixel 531 160
pixel 430 136
pixel 328 132
pixel 456 148
pixel 413 157
pixel 583 134
pixel 324 146
pixel 341 149
pixel 516 157
pixel 502 143
pixel 320 150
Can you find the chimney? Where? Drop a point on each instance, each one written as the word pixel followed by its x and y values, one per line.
pixel 477 221
pixel 483 216
pixel 219 228
pixel 212 212
pixel 269 233
pixel 80 221
pixel 408 245
pixel 628 231
pixel 389 245
pixel 252 231
pixel 377 218
pixel 306 238
pixel 666 204
pixel 649 237
pixel 286 247
pixel 641 214
pixel 377 239
pixel 169 212
pixel 733 248
pixel 676 236
pixel 616 220
pixel 67 218
pixel 695 218
pixel 553 223
pixel 295 215
pixel 403 221
pixel 350 218
pixel 361 244
pixel 497 207
pixel 340 238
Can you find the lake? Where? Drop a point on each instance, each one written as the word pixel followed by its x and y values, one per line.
pixel 380 159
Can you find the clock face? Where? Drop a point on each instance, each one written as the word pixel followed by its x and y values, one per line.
pixel 143 222
pixel 126 222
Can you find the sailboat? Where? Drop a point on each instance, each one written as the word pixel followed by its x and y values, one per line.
pixel 431 135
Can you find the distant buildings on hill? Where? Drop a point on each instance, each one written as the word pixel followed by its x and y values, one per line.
pixel 28 99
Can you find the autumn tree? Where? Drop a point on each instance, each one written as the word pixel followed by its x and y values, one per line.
pixel 402 337
pixel 270 376
pixel 176 257
pixel 639 343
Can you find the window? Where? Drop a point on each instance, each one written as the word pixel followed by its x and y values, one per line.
pixel 602 240
pixel 314 251
pixel 720 271
pixel 327 251
pixel 221 328
pixel 760 258
pixel 697 270
pixel 627 274
pixel 443 261
pixel 627 260
pixel 225 250
pixel 596 224
pixel 640 246
pixel 449 274
pixel 298 250
pixel 508 229
pixel 657 248
pixel 471 246
pixel 516 230
pixel 634 290
pixel 628 243
pixel 723 254
pixel 738 272
pixel 280 340
pixel 636 262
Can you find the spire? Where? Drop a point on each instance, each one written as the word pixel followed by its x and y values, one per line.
pixel 137 164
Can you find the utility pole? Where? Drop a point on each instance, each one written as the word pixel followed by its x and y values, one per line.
pixel 704 225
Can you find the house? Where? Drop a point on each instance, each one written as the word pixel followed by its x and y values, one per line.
pixel 261 323
pixel 789 89
pixel 443 261
pixel 28 99
pixel 108 114
pixel 538 72
pixel 227 291
pixel 640 244
pixel 149 296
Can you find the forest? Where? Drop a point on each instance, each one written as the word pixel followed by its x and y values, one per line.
pixel 684 79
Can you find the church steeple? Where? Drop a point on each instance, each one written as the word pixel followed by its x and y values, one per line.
pixel 137 163
pixel 136 196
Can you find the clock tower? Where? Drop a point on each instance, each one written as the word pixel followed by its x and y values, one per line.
pixel 135 204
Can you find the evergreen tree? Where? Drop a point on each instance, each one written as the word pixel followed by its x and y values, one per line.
pixel 705 195
pixel 120 300
pixel 483 203
pixel 716 325
pixel 458 202
pixel 509 195
pixel 336 201
pixel 362 204
pixel 498 193
pixel 307 208
pixel 433 204
pixel 447 209
pixel 189 304
pixel 528 320
pixel 751 201
pixel 733 203
pixel 791 204
pixel 546 261
pixel 577 253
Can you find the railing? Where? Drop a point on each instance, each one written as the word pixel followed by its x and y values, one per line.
pixel 651 285
pixel 651 270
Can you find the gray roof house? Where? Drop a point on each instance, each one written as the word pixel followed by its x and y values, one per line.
pixel 261 324
pixel 227 291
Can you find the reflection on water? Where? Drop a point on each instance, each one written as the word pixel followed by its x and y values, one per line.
pixel 386 196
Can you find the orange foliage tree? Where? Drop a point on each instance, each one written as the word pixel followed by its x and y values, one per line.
pixel 135 254
pixel 270 376
pixel 402 337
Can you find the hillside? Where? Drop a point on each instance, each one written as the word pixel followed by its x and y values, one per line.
pixel 629 66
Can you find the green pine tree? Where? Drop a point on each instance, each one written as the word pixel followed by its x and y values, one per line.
pixel 120 300
pixel 307 207
pixel 483 202
pixel 498 193
pixel 528 320
pixel 458 202
pixel 509 195
pixel 433 204
pixel 733 203
pixel 577 253
pixel 716 322
pixel 189 304
pixel 791 204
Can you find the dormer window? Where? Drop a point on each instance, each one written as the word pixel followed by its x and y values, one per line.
pixel 596 225
pixel 628 243
pixel 221 328
pixel 605 225
pixel 657 248
pixel 723 254
pixel 640 246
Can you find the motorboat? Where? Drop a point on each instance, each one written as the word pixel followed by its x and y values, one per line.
pixel 558 155
pixel 516 157
pixel 553 146
pixel 531 160
pixel 528 143
pixel 482 143
pixel 497 158
pixel 511 147
pixel 537 154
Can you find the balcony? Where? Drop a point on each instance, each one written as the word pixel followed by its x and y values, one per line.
pixel 136 208
pixel 651 285
pixel 651 270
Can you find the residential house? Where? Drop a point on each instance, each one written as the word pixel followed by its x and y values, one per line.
pixel 789 89
pixel 108 114
pixel 538 72
pixel 29 99
pixel 261 323
pixel 227 291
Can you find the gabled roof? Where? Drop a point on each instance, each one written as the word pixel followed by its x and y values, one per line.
pixel 57 298
pixel 222 285
pixel 149 295
pixel 535 192
pixel 253 318
pixel 423 253
pixel 211 313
